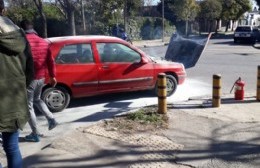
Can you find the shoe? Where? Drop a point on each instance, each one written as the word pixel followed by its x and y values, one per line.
pixel 32 137
pixel 52 123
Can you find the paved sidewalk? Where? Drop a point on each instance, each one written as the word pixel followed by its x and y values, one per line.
pixel 198 136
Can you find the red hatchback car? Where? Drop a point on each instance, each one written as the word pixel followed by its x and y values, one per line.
pixel 94 65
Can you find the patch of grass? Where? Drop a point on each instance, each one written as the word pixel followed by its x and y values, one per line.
pixel 147 115
pixel 145 119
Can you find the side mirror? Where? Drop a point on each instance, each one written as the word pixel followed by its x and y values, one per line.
pixel 144 60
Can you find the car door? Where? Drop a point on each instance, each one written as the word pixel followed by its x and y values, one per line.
pixel 121 68
pixel 77 69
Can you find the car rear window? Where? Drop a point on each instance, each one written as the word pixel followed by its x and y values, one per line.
pixel 243 29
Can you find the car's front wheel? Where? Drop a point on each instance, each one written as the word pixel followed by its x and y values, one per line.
pixel 171 85
pixel 57 99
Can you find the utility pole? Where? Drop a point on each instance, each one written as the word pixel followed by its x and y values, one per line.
pixel 162 20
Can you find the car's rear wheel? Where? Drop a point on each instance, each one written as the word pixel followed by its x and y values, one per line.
pixel 171 85
pixel 57 99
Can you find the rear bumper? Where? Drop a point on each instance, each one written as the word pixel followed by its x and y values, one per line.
pixel 244 38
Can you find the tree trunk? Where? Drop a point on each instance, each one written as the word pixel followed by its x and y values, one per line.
pixel 43 17
pixel 210 26
pixel 186 28
pixel 227 25
pixel 71 19
pixel 44 25
pixel 217 25
pixel 233 22
pixel 83 17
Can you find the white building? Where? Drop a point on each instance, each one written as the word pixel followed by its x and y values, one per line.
pixel 251 18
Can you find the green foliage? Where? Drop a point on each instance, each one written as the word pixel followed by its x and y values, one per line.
pixel 151 28
pixel 242 7
pixel 16 14
pixel 210 9
pixel 143 115
pixel 180 12
pixel 102 16
pixel 52 12
pixel 186 10
pixel 234 9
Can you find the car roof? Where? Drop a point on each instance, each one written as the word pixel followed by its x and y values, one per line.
pixel 81 38
pixel 244 26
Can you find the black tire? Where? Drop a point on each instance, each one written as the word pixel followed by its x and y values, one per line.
pixel 56 99
pixel 171 85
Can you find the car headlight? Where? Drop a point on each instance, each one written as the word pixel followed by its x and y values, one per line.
pixel 248 35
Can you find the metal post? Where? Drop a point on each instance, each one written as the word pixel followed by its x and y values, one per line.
pixel 162 93
pixel 258 84
pixel 216 93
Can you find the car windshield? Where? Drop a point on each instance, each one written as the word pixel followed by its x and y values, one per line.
pixel 243 29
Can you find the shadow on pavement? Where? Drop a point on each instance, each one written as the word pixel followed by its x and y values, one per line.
pixel 207 103
pixel 113 106
pixel 224 144
pixel 210 142
pixel 123 156
pixel 110 98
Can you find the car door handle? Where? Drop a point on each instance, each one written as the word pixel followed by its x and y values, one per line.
pixel 105 67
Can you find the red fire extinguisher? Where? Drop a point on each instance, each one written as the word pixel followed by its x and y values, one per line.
pixel 239 89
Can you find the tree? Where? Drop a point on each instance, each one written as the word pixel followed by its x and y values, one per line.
pixel 186 10
pixel 130 6
pixel 20 9
pixel 210 11
pixel 69 7
pixel 39 6
pixel 232 10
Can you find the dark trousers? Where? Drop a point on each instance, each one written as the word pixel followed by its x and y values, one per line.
pixel 11 148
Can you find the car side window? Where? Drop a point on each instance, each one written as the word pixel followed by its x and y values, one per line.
pixel 75 54
pixel 115 52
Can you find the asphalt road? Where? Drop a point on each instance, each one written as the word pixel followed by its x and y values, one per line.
pixel 223 57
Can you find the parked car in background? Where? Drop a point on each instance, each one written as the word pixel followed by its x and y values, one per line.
pixel 95 65
pixel 247 34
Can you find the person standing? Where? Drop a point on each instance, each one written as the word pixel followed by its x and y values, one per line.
pixel 42 61
pixel 16 67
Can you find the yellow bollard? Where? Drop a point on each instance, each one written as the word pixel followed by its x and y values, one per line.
pixel 258 84
pixel 216 93
pixel 162 93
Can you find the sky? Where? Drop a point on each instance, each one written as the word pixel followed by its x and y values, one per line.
pixel 155 2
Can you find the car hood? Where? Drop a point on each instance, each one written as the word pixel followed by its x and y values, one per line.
pixel 164 61
pixel 186 50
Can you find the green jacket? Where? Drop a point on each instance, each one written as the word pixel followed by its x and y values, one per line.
pixel 16 72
